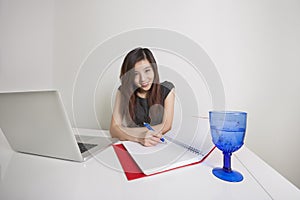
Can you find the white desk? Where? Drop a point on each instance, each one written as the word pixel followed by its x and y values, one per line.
pixel 31 177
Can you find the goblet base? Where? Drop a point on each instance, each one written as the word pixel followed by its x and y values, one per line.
pixel 231 176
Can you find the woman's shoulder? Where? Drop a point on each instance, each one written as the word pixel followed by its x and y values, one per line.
pixel 167 85
pixel 166 88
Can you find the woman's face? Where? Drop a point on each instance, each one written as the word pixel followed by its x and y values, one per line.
pixel 144 75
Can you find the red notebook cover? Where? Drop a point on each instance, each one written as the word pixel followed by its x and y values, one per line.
pixel 132 170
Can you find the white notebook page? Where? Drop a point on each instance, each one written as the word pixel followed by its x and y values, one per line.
pixel 170 155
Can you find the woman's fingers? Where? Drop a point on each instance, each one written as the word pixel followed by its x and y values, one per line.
pixel 154 133
pixel 152 138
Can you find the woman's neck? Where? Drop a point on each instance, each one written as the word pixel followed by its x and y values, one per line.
pixel 142 94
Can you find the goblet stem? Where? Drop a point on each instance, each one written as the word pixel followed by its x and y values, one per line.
pixel 227 162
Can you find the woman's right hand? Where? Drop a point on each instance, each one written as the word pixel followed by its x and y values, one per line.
pixel 151 138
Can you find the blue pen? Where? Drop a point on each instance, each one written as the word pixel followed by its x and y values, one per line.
pixel 151 129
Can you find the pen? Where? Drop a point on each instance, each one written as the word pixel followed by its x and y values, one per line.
pixel 151 129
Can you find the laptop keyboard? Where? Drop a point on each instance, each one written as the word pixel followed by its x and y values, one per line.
pixel 84 146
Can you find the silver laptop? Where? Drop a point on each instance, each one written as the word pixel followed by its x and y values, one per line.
pixel 35 122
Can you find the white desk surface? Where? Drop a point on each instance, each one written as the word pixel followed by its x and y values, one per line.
pixel 24 176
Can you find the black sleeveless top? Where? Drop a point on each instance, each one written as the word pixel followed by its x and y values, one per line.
pixel 154 114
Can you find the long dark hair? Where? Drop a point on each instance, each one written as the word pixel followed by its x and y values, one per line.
pixel 129 89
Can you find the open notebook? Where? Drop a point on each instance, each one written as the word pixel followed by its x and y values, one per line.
pixel 185 146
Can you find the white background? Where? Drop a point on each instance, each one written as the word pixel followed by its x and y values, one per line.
pixel 254 44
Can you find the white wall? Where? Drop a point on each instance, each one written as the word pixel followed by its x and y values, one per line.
pixel 26 44
pixel 254 45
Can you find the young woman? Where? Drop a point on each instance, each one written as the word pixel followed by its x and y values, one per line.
pixel 142 98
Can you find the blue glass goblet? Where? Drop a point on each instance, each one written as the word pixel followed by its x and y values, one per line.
pixel 228 133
